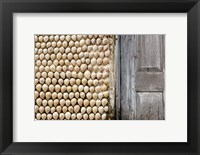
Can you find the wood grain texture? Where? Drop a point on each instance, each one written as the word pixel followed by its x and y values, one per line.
pixel 149 81
pixel 127 68
pixel 140 79
pixel 117 74
pixel 149 53
pixel 149 106
pixel 150 73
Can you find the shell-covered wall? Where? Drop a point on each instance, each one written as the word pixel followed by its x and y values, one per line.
pixel 73 77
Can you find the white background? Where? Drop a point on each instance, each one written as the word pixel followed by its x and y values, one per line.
pixel 173 129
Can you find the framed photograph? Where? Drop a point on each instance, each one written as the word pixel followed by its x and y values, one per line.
pixel 104 77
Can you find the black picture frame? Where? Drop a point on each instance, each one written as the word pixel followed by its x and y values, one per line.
pixel 8 7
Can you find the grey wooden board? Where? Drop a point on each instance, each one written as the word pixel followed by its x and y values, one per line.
pixel 149 106
pixel 140 61
pixel 149 81
pixel 149 52
pixel 127 79
pixel 117 74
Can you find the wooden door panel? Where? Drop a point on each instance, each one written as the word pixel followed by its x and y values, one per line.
pixel 140 77
pixel 149 81
pixel 150 53
pixel 149 106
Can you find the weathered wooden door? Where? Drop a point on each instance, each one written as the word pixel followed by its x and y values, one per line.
pixel 140 91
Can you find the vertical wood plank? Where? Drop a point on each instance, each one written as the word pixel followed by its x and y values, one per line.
pixel 128 94
pixel 163 70
pixel 149 106
pixel 117 74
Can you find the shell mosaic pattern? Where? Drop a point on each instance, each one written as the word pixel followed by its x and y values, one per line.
pixel 72 76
